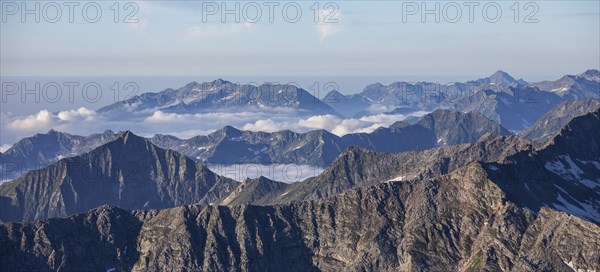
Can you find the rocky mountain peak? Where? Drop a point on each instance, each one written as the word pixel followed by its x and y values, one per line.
pixel 554 120
pixel 334 93
pixel 230 131
pixel 126 135
pixel 128 172
pixel 353 151
pixel 592 75
pixel 261 179
pixel 190 85
pixel 126 141
pixel 501 78
pixel 501 75
pixel 220 81
pixel 580 137
pixel 399 124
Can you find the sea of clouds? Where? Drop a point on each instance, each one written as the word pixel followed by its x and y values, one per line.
pixel 84 121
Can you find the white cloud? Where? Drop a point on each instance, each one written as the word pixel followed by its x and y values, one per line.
pixel 41 120
pixel 267 125
pixel 390 118
pixel 5 147
pixel 366 124
pixel 206 119
pixel 348 126
pixel 328 23
pixel 338 126
pixel 281 172
pixel 45 120
pixel 78 114
pixel 84 121
pixel 380 108
pixel 327 122
pixel 159 116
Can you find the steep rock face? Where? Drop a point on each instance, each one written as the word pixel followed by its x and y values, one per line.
pixel 580 137
pixel 465 216
pixel 457 222
pixel 515 108
pixel 452 127
pixel 43 149
pixel 257 191
pixel 563 175
pixel 358 167
pixel 128 172
pixel 553 121
pixel 230 146
pixel 584 85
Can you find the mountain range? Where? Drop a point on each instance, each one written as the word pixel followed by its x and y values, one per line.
pixel 317 148
pixel 116 172
pixel 500 175
pixel 41 150
pixel 556 118
pixel 515 104
pixel 562 169
pixel 219 95
pixel 499 204
pixel 232 146
pixel 128 172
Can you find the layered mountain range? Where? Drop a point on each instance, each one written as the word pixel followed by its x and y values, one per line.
pixel 232 146
pixel 501 175
pixel 563 174
pixel 515 104
pixel 498 204
pixel 128 172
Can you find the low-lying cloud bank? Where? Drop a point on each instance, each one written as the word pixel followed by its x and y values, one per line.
pixel 84 121
pixel 287 173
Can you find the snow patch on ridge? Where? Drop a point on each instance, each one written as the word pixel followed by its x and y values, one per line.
pixel 586 211
pixel 565 167
pixel 398 178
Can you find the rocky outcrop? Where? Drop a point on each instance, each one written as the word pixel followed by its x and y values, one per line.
pixel 453 127
pixel 555 119
pixel 563 175
pixel 40 150
pixel 358 167
pixel 500 204
pixel 128 172
pixel 258 191
pixel 456 222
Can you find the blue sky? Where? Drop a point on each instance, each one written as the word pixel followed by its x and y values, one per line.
pixel 370 39
pixel 368 42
